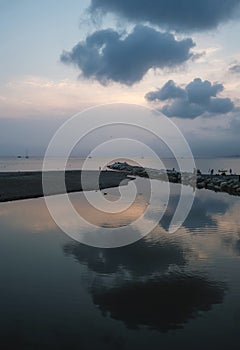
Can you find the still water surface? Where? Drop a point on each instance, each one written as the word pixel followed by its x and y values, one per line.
pixel 35 163
pixel 164 291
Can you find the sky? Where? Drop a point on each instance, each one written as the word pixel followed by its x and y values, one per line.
pixel 179 57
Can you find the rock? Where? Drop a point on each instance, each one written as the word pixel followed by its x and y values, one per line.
pixel 224 186
pixel 201 185
pixel 224 183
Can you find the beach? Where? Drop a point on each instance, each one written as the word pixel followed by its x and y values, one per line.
pixel 28 184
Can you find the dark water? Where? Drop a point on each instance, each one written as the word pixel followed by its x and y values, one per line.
pixel 164 291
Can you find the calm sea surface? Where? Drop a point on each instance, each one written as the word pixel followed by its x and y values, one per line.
pixel 35 163
pixel 166 291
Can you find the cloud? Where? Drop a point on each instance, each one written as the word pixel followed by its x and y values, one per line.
pixel 235 68
pixel 182 109
pixel 197 98
pixel 107 56
pixel 200 92
pixel 234 123
pixel 168 91
pixel 184 15
pixel 220 105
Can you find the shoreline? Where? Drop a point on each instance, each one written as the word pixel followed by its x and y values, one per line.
pixel 28 184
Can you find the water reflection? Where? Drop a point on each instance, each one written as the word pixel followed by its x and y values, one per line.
pixel 164 303
pixel 152 282
pixel 203 211
pixel 237 246
pixel 56 293
pixel 144 257
pixel 27 215
pixel 201 214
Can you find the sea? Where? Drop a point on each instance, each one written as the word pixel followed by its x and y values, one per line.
pixel 76 163
pixel 167 290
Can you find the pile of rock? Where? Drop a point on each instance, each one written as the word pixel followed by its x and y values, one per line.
pixel 217 183
pixel 220 183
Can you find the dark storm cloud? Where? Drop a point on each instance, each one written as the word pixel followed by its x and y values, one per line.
pixel 107 56
pixel 235 68
pixel 197 98
pixel 181 15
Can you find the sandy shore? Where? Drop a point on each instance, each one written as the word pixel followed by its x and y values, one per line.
pixel 24 185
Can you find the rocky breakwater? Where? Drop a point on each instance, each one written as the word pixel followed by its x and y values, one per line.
pixel 163 174
pixel 220 183
pixel 217 183
pixel 145 172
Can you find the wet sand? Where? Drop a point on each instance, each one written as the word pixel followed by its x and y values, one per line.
pixel 25 185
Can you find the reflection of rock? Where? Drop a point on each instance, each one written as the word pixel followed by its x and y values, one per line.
pixel 141 258
pixel 163 304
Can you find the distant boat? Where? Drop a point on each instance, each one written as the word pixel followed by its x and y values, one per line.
pixel 19 156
